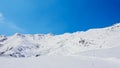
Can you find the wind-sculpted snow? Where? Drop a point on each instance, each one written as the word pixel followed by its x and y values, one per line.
pixel 28 45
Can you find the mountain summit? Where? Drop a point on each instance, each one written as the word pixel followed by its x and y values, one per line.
pixel 28 45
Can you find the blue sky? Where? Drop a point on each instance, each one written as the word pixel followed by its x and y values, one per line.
pixel 56 16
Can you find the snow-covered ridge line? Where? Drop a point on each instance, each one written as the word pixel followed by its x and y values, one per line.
pixel 27 45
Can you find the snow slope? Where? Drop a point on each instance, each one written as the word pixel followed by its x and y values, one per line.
pixel 102 53
pixel 95 48
pixel 59 62
pixel 27 45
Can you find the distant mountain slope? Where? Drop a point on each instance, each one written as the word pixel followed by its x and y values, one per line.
pixel 28 45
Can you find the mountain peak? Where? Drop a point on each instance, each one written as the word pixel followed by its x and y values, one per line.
pixel 19 35
pixel 116 25
pixel 27 45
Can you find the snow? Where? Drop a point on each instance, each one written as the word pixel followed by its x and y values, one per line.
pixel 94 48
pixel 59 62
pixel 103 53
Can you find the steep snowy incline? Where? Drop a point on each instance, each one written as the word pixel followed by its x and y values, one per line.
pixel 27 45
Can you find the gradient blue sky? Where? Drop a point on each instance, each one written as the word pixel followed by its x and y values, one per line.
pixel 56 16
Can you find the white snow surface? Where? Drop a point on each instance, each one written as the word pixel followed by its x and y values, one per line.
pixel 59 62
pixel 94 48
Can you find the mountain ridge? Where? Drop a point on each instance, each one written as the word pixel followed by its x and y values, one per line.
pixel 28 45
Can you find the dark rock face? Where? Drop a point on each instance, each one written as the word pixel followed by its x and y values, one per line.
pixel 3 38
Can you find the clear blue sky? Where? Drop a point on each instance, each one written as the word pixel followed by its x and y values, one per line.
pixel 56 16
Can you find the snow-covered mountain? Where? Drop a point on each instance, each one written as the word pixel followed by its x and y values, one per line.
pixel 28 45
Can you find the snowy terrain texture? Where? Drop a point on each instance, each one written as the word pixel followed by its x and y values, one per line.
pixel 94 48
